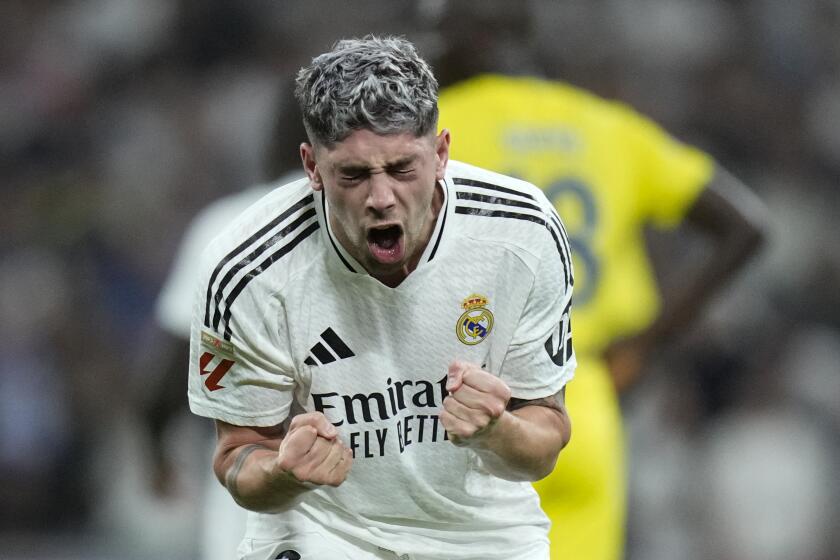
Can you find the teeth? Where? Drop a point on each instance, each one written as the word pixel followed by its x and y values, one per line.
pixel 381 229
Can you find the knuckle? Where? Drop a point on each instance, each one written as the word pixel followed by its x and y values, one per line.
pixel 448 405
pixel 303 433
pixel 305 419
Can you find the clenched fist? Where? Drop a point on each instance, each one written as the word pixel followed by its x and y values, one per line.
pixel 477 399
pixel 311 451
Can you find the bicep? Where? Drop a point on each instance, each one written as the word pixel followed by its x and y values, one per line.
pixel 557 401
pixel 726 205
pixel 549 412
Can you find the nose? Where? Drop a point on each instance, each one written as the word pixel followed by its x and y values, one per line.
pixel 381 196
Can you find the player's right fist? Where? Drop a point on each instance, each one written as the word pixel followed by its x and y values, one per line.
pixel 312 452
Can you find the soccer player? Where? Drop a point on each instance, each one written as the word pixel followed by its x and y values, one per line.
pixel 384 345
pixel 610 173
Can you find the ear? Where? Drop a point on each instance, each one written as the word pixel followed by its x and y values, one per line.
pixel 310 166
pixel 442 152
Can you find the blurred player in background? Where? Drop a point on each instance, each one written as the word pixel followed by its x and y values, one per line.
pixel 610 173
pixel 223 524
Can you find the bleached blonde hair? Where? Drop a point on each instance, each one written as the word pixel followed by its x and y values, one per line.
pixel 376 83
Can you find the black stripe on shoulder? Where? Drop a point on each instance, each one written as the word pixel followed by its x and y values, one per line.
pixel 496 200
pixel 308 199
pixel 253 256
pixel 490 186
pixel 468 210
pixel 262 267
pixel 558 223
pixel 486 212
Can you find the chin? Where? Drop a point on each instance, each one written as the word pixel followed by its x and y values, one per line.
pixel 377 267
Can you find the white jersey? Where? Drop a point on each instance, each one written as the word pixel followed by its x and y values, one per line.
pixel 286 320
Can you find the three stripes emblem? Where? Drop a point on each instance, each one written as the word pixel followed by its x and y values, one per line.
pixel 329 349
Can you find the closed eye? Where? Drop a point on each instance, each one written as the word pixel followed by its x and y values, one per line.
pixel 354 177
pixel 402 173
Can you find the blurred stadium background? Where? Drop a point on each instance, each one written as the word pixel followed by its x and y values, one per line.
pixel 121 118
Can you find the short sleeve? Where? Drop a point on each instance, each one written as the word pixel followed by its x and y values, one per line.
pixel 670 174
pixel 541 358
pixel 240 371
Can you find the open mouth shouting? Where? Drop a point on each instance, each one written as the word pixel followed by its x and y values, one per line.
pixel 386 243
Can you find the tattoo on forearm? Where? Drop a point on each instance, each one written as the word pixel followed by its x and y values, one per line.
pixel 233 473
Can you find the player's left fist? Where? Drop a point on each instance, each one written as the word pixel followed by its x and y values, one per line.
pixel 477 400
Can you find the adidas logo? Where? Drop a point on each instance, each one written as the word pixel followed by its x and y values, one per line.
pixel 331 348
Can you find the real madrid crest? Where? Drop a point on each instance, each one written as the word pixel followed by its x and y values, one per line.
pixel 476 322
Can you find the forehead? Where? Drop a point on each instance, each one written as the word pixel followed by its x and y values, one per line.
pixel 367 148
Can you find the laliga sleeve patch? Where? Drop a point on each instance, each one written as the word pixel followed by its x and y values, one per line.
pixel 288 555
pixel 215 361
pixel 215 344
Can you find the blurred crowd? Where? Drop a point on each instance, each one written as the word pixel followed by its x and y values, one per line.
pixel 121 118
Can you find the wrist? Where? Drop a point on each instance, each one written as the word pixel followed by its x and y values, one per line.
pixel 492 438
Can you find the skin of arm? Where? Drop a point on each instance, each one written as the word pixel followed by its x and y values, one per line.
pixel 734 219
pixel 516 439
pixel 265 469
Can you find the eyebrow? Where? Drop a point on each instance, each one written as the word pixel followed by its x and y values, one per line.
pixel 352 169
pixel 401 162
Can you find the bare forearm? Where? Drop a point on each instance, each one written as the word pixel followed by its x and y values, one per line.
pixel 517 439
pixel 691 296
pixel 524 444
pixel 247 475
pixel 627 358
pixel 266 469
pixel 734 220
